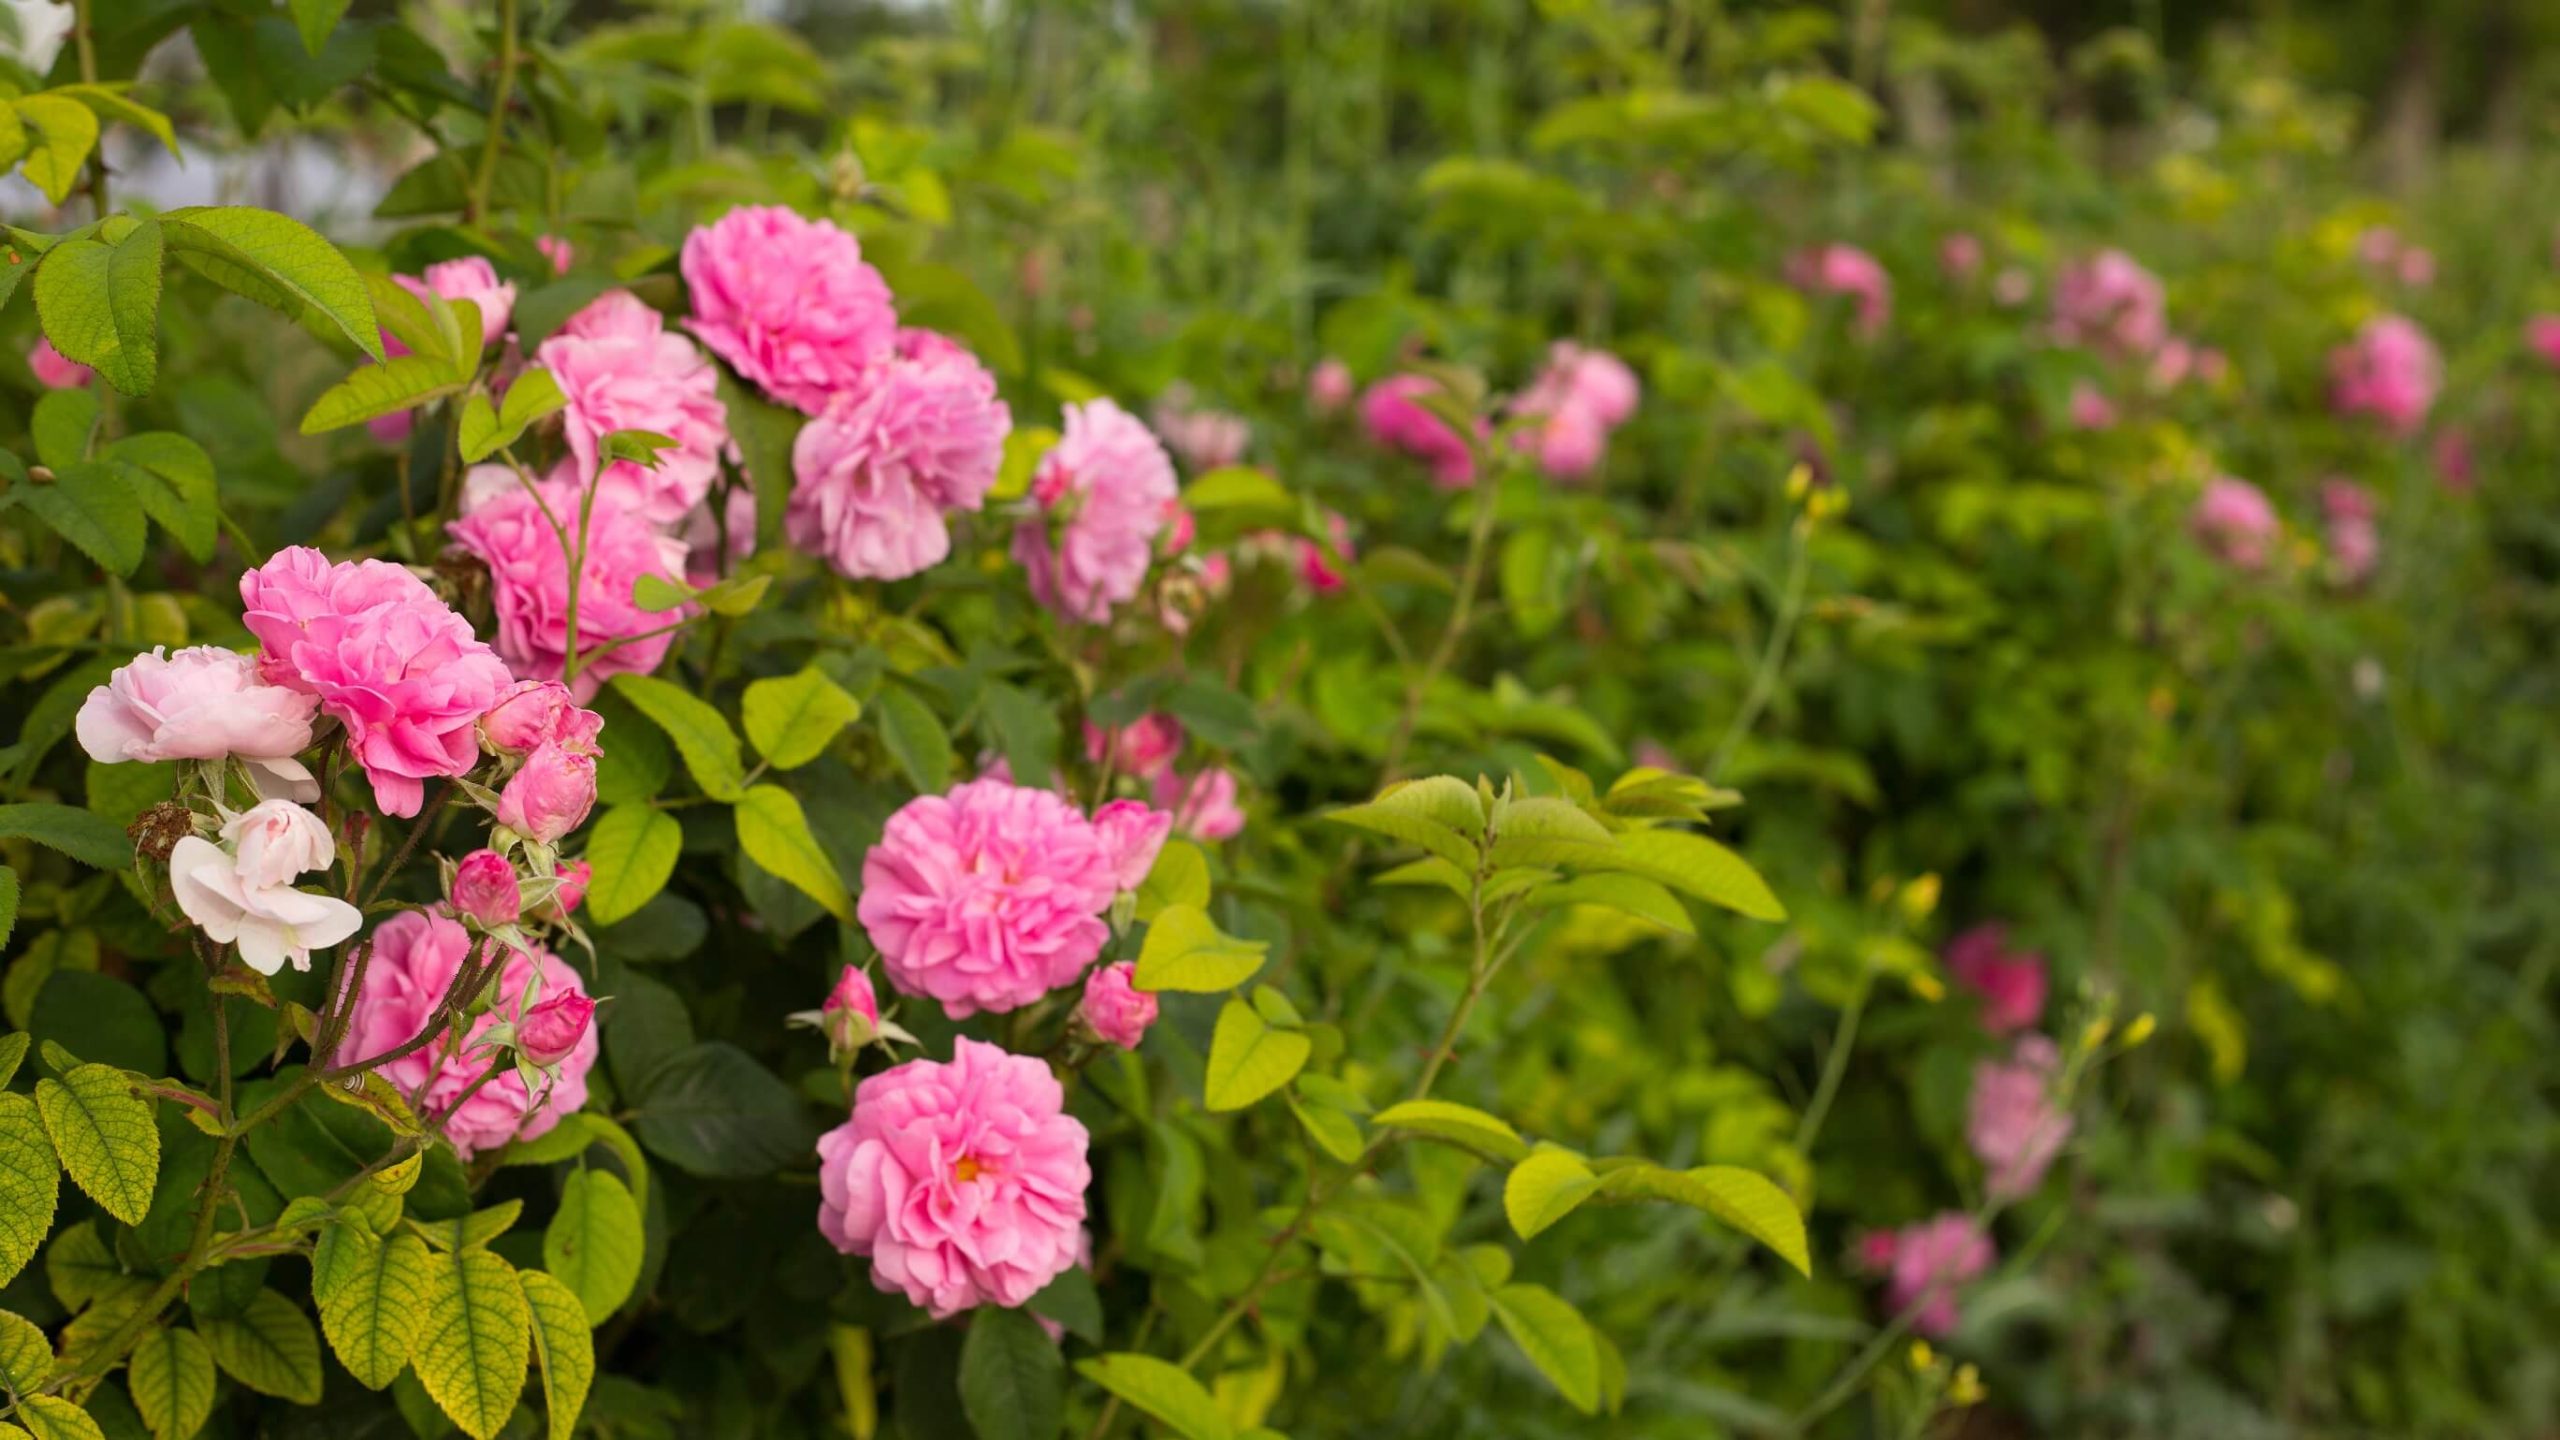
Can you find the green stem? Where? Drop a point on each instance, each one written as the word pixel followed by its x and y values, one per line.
pixel 84 37
pixel 1470 580
pixel 1764 679
pixel 502 93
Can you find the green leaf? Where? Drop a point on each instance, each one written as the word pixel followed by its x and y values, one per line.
pixel 104 1133
pixel 1241 487
pixel 476 433
pixel 26 1357
pixel 88 838
pixel 315 19
pixel 915 738
pixel 1249 1059
pixel 50 1417
pixel 65 131
pixel 1214 712
pixel 269 1347
pixel 100 305
pixel 78 1267
pixel 1693 865
pixel 95 508
pixel 1186 951
pixel 1072 1301
pixel 172 1380
pixel 9 892
pixel 713 1111
pixel 1460 1125
pixel 791 719
pixel 63 422
pixel 278 262
pixel 633 850
pixel 1544 1188
pixel 1744 1199
pixel 372 1293
pixel 109 102
pixel 1442 814
pixel 472 1231
pixel 775 833
pixel 594 1243
pixel 701 736
pixel 486 431
pixel 174 479
pixel 1026 730
pixel 1556 1339
pixel 765 433
pixel 1180 876
pixel 374 391
pixel 1012 1381
pixel 1336 1132
pixel 1634 895
pixel 477 1340
pixel 1023 449
pixel 13 1046
pixel 563 1345
pixel 1162 1390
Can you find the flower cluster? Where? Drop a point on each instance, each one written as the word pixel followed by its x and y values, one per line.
pixel 1926 1264
pixel 2390 371
pixel 1576 401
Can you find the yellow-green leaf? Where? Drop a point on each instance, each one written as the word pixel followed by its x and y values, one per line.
pixel 110 102
pixel 702 736
pixel 372 1292
pixel 64 132
pixel 1544 1188
pixel 1693 865
pixel 791 719
pixel 563 1345
pixel 78 1266
pixel 1556 1339
pixel 171 1377
pixel 26 1357
pixel 279 262
pixel 269 1347
pixel 100 305
pixel 478 1339
pixel 50 1417
pixel 1163 1390
pixel 102 1130
pixel 1461 1125
pixel 403 383
pixel 1186 951
pixel 29 1179
pixel 1249 1058
pixel 594 1243
pixel 775 833
pixel 1744 1199
pixel 633 850
pixel 1180 876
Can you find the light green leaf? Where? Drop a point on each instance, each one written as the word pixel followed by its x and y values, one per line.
pixel 110 102
pixel 269 1347
pixel 476 432
pixel 1180 876
pixel 1556 1339
pixel 1634 895
pixel 95 508
pixel 915 738
pixel 1460 1125
pixel 26 1357
pixel 701 735
pixel 775 833
pixel 791 719
pixel 594 1243
pixel 486 431
pixel 1337 1133
pixel 64 132
pixel 633 850
pixel 103 1131
pixel 1012 1381
pixel 1246 487
pixel 1164 1391
pixel 374 391
pixel 1744 1199
pixel 278 262
pixel 29 1181
pixel 1249 1059
pixel 173 477
pixel 172 1380
pixel 472 1231
pixel 100 305
pixel 50 1417
pixel 564 1346
pixel 1186 951
pixel 315 19
pixel 372 1293
pixel 9 891
pixel 1441 814
pixel 1693 865
pixel 1544 1188
pixel 1428 870
pixel 477 1342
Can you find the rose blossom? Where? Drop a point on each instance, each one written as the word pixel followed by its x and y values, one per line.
pixel 986 898
pixel 275 840
pixel 485 891
pixel 202 703
pixel 881 466
pixel 2090 408
pixel 963 1182
pixel 621 369
pixel 2390 371
pixel 529 575
pixel 2110 304
pixel 1133 834
pixel 1105 487
pixel 1205 439
pixel 245 894
pixel 532 713
pixel 2233 520
pixel 550 795
pixel 1959 255
pixel 1204 806
pixel 788 302
pixel 55 371
pixel 851 1014
pixel 2542 337
pixel 2355 544
pixel 1846 270
pixel 1140 749
pixel 549 1032
pixel 2012 1122
pixel 2011 983
pixel 1925 1264
pixel 1329 386
pixel 469 278
pixel 1114 1009
pixel 392 662
pixel 1396 418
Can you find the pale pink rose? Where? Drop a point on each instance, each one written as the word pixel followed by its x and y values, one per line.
pixel 1140 749
pixel 2090 407
pixel 2172 363
pixel 1133 834
pixel 274 841
pixel 1568 444
pixel 1926 1264
pixel 2111 304
pixel 1206 439
pixel 532 713
pixel 1114 1008
pixel 1580 377
pixel 1204 806
pixel 485 890
pixel 557 250
pixel 1959 255
pixel 2234 521
pixel 469 278
pixel 851 1014
pixel 529 581
pixel 271 923
pixel 2011 983
pixel 53 371
pixel 963 1182
pixel 388 659
pixel 202 703
pixel 2355 541
pixel 550 1032
pixel 568 887
pixel 880 467
pixel 2417 267
pixel 622 369
pixel 788 302
pixel 986 898
pixel 2013 287
pixel 1849 272
pixel 2390 371
pixel 1329 386
pixel 2012 1122
pixel 550 795
pixel 415 957
pixel 1103 489
pixel 1396 419
pixel 2542 336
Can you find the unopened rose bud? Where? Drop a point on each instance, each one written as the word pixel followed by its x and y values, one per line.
pixel 570 887
pixel 525 716
pixel 551 1030
pixel 550 796
pixel 485 891
pixel 851 1015
pixel 1114 1008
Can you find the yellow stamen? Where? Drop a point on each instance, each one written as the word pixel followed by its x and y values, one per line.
pixel 967 1170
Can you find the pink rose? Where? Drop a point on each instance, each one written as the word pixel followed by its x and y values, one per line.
pixel 1140 749
pixel 1319 567
pixel 789 303
pixel 389 660
pixel 529 577
pixel 1849 272
pixel 557 250
pixel 568 888
pixel 415 957
pixel 2111 304
pixel 485 891
pixel 469 278
pixel 986 898
pixel 2390 371
pixel 2012 1123
pixel 1396 419
pixel 53 371
pixel 1204 806
pixel 2010 983
pixel 1115 1009
pixel 2457 470
pixel 202 703
pixel 1206 439
pixel 2234 521
pixel 2542 336
pixel 881 466
pixel 1103 488
pixel 550 795
pixel 1329 386
pixel 1959 255
pixel 530 713
pixel 851 1015
pixel 963 1182
pixel 2090 407
pixel 621 369
pixel 550 1032
pixel 274 841
pixel 1926 1264
pixel 2355 542
pixel 1133 834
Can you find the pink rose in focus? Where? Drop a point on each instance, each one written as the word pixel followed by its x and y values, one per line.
pixel 485 891
pixel 1204 806
pixel 1329 386
pixel 528 713
pixel 963 1182
pixel 529 579
pixel 551 1031
pixel 1397 419
pixel 202 703
pixel 2011 984
pixel 2234 521
pixel 789 303
pixel 986 898
pixel 389 660
pixel 1104 487
pixel 1851 273
pixel 550 795
pixel 882 465
pixel 1133 834
pixel 55 372
pixel 1114 1008
pixel 622 369
pixel 2012 1122
pixel 2090 408
pixel 1140 749
pixel 2390 371
pixel 850 1015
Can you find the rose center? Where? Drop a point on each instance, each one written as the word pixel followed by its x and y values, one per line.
pixel 967 1170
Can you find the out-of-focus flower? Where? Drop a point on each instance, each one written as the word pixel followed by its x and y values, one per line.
pixel 2012 1121
pixel 1133 834
pixel 2010 982
pixel 2234 521
pixel 2355 541
pixel 1204 805
pixel 1960 255
pixel 2390 371
pixel 1395 418
pixel 2111 304
pixel 1140 749
pixel 1329 386
pixel 1205 438
pixel 2090 407
pixel 1103 489
pixel 1926 1264
pixel 53 370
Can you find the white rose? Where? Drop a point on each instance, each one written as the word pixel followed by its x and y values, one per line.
pixel 277 841
pixel 271 924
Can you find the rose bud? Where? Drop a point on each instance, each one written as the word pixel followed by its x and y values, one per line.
pixel 550 796
pixel 570 887
pixel 1114 1009
pixel 851 1015
pixel 485 890
pixel 525 716
pixel 550 1031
